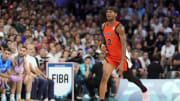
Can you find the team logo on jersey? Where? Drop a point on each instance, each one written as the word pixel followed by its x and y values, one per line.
pixel 108 34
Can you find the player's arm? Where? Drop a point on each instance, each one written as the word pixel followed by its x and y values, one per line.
pixel 41 73
pixel 32 70
pixel 121 32
pixel 4 75
pixel 103 43
pixel 176 62
pixel 27 70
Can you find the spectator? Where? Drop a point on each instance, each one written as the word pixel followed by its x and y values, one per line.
pixel 53 57
pixel 149 44
pixel 8 26
pixel 166 28
pixel 155 70
pixel 167 53
pixel 176 61
pixel 20 26
pixel 159 43
pixel 49 36
pixel 12 31
pixel 137 69
pixel 64 57
pixel 38 34
pixel 145 62
pixel 85 69
pixel 59 37
pixel 139 35
pixel 19 68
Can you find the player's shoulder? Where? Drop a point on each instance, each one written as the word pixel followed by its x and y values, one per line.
pixel 119 27
pixel 103 25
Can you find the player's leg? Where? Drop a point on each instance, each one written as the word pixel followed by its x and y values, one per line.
pixel 162 60
pixel 3 89
pixel 3 95
pixel 128 74
pixel 107 71
pixel 91 85
pixel 51 89
pixel 18 91
pixel 28 79
pixel 43 87
pixel 13 89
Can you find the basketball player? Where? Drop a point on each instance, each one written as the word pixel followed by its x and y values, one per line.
pixel 115 41
pixel 20 68
pixel 5 73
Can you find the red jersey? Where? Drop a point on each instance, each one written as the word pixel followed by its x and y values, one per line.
pixel 113 43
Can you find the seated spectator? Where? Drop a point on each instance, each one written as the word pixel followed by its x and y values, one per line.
pixel 84 71
pixel 167 53
pixel 137 69
pixel 90 53
pixel 145 61
pixel 159 43
pixel 20 68
pixel 155 70
pixel 53 57
pixel 64 57
pixel 20 26
pixel 59 37
pixel 6 75
pixel 38 34
pixel 176 61
pixel 45 86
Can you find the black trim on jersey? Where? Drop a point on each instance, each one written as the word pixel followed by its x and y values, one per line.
pixel 104 26
pixel 104 41
pixel 116 30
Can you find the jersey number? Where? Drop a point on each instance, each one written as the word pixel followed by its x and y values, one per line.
pixel 109 42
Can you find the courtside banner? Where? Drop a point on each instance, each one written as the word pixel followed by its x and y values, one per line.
pixel 160 90
pixel 63 76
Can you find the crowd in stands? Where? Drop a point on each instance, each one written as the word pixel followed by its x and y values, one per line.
pixel 72 33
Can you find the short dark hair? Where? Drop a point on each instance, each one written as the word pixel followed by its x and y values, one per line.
pixel 24 47
pixel 112 9
pixel 88 57
pixel 7 49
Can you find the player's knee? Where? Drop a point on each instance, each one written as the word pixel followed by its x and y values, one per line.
pixel 104 77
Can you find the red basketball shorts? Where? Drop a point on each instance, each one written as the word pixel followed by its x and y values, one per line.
pixel 116 62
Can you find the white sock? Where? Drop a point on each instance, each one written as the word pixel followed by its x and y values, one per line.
pixel 18 96
pixel 3 97
pixel 11 97
pixel 28 95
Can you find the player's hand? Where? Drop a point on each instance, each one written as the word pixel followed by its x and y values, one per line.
pixel 103 49
pixel 120 69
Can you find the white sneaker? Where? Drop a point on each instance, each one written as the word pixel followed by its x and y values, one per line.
pixel 78 97
pixel 145 95
pixel 52 100
pixel 46 99
pixel 86 96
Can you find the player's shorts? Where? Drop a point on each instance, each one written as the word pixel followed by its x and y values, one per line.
pixel 115 63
